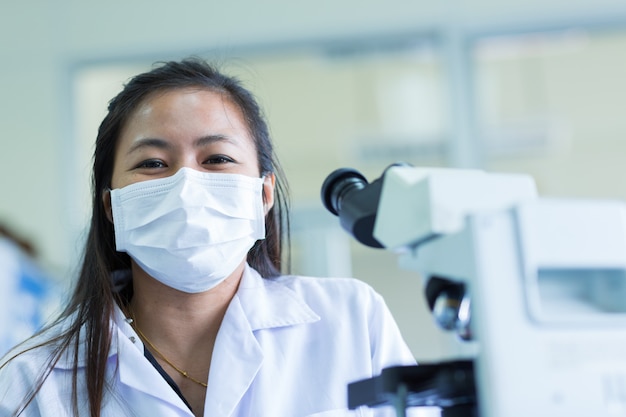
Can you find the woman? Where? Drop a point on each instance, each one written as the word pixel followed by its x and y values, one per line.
pixel 180 308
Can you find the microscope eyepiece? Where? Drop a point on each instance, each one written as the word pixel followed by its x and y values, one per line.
pixel 347 194
pixel 338 185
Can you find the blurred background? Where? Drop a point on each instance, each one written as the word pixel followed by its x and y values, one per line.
pixel 536 87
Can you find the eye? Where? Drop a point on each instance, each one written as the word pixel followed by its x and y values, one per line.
pixel 151 163
pixel 219 159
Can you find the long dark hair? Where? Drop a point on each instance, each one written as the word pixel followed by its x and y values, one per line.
pixel 94 298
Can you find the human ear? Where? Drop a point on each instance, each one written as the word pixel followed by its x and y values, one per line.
pixel 106 202
pixel 269 181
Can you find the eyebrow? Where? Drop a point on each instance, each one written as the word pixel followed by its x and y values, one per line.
pixel 164 144
pixel 149 143
pixel 209 139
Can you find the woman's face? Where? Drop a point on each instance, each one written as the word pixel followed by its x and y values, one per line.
pixel 189 127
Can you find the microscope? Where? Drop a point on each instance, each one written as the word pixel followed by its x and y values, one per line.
pixel 538 284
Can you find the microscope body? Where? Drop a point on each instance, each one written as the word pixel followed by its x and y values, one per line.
pixel 544 282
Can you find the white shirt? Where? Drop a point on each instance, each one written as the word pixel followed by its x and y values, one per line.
pixel 287 347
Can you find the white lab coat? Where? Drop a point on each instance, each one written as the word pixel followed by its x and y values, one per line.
pixel 287 347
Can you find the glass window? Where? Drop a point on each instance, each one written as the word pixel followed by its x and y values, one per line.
pixel 552 105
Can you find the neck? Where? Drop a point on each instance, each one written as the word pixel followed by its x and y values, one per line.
pixel 178 320
pixel 182 328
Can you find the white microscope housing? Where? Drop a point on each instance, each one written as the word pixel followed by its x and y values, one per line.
pixel 544 283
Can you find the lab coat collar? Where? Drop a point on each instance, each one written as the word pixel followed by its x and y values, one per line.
pixel 258 304
pixel 268 303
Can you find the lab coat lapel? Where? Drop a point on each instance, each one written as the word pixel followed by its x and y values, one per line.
pixel 238 356
pixel 269 303
pixel 236 360
pixel 134 370
pixel 140 375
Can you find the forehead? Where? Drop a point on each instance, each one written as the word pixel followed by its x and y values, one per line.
pixel 183 112
pixel 203 104
pixel 184 116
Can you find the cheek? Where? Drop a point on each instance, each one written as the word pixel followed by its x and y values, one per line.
pixel 115 180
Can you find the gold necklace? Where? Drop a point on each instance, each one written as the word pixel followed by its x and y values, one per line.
pixel 158 352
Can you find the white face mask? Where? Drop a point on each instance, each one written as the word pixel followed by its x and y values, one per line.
pixel 192 229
